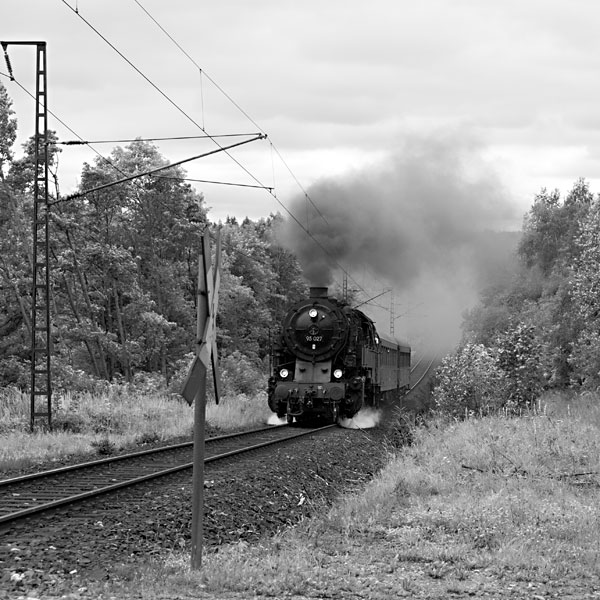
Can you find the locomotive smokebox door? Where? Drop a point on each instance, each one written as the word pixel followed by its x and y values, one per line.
pixel 315 329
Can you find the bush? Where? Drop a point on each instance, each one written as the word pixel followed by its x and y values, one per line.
pixel 469 382
pixel 15 372
pixel 519 356
pixel 241 375
pixel 66 379
pixel 14 409
pixel 585 361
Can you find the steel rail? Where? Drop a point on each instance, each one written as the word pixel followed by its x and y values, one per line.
pixel 120 457
pixel 20 514
pixel 414 367
pixel 416 383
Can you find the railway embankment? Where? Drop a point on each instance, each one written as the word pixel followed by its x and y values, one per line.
pixel 497 507
pixel 105 543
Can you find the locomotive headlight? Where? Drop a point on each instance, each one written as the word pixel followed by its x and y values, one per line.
pixel 337 373
pixel 312 313
pixel 284 373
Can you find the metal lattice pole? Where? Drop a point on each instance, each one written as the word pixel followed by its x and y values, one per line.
pixel 41 388
pixel 41 382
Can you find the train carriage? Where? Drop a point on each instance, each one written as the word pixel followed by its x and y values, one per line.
pixel 394 365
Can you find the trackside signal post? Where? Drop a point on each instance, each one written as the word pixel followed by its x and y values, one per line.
pixel 41 349
pixel 194 389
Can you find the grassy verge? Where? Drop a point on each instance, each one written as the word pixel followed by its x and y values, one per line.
pixel 496 505
pixel 91 424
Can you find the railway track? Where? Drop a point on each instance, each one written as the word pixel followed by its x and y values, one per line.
pixel 31 494
pixel 421 369
pixel 28 495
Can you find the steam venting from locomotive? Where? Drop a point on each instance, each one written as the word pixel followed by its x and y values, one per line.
pixel 366 418
pixel 419 219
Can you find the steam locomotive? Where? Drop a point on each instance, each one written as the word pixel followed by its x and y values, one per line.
pixel 329 362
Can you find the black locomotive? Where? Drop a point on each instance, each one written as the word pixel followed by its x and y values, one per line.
pixel 329 361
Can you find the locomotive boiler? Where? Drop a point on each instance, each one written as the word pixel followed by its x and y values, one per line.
pixel 329 362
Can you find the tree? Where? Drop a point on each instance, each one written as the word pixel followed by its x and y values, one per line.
pixel 8 130
pixel 260 280
pixel 128 263
pixel 15 263
pixel 585 295
pixel 547 311
pixel 124 267
pixel 551 228
pixel 21 173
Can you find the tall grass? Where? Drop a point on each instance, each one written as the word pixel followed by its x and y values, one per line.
pixel 87 423
pixel 514 497
pixel 517 493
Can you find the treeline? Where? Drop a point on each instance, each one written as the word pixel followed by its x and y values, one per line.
pixel 124 268
pixel 540 329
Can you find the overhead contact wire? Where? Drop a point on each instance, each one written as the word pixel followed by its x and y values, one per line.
pixel 243 112
pixel 166 96
pixel 57 118
pixel 192 120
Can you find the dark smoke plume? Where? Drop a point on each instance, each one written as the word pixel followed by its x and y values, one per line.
pixel 417 219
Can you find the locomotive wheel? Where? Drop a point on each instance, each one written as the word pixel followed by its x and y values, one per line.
pixel 290 419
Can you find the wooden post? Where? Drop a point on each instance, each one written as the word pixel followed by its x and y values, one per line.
pixel 194 389
pixel 198 475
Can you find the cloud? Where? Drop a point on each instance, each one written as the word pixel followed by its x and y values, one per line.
pixel 319 75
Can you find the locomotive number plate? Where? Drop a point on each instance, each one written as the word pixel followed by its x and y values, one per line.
pixel 314 338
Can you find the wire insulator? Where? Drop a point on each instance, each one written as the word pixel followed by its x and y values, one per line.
pixel 7 60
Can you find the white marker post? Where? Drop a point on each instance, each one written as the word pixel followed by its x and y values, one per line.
pixel 194 388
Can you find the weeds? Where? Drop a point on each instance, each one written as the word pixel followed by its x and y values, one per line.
pixel 104 447
pixel 88 423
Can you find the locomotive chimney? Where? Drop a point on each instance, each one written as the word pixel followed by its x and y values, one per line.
pixel 318 292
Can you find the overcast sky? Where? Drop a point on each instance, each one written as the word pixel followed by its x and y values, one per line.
pixel 338 85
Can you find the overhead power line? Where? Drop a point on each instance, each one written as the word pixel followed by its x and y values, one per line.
pixel 247 171
pixel 89 143
pixel 199 67
pixel 201 127
pixel 373 298
pixel 243 112
pixel 57 118
pixel 156 87
pixel 81 141
pixel 160 91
